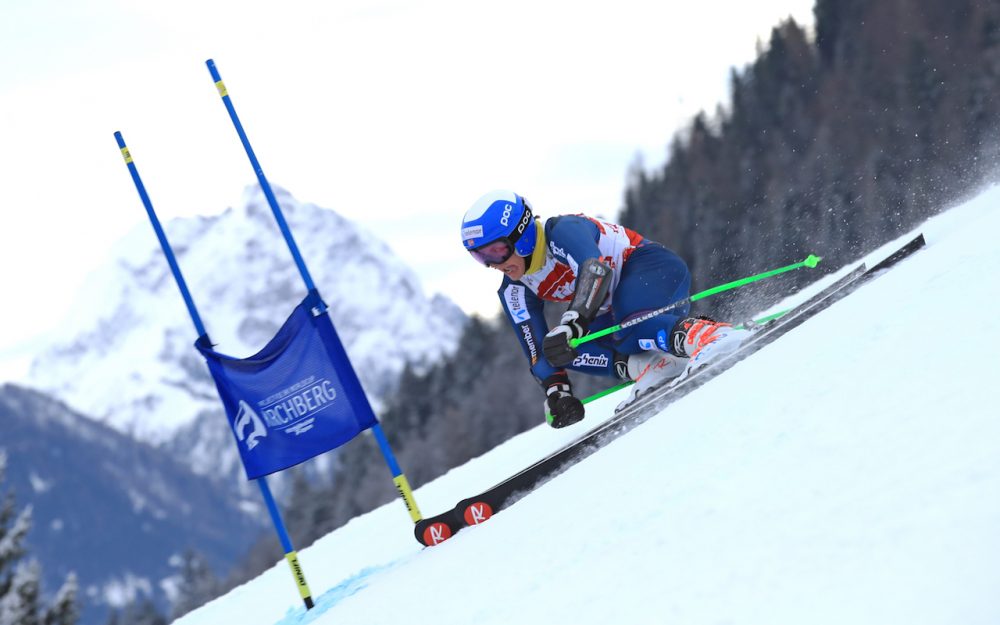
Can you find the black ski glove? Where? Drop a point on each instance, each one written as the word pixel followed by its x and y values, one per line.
pixel 559 401
pixel 555 345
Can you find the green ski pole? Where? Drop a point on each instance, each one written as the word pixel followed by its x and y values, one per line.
pixel 810 261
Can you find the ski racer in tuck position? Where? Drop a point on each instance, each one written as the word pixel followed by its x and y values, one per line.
pixel 608 274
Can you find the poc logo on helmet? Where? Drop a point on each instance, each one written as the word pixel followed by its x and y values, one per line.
pixel 525 220
pixel 505 218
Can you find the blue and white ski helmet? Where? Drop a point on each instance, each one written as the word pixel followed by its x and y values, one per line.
pixel 500 215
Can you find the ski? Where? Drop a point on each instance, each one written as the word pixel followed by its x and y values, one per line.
pixel 479 508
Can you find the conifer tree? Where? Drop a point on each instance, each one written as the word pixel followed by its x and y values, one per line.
pixel 198 584
pixel 20 579
pixel 138 612
pixel 64 610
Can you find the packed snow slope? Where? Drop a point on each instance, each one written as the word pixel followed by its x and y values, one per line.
pixel 847 473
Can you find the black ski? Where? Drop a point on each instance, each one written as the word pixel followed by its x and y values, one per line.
pixel 474 510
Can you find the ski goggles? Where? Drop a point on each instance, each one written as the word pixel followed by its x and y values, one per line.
pixel 493 253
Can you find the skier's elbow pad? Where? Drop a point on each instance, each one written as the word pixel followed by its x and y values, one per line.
pixel 591 288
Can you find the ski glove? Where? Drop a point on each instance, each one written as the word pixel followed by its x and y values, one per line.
pixel 555 345
pixel 559 401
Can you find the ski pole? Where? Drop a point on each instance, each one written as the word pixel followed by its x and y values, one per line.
pixel 810 261
pixel 763 320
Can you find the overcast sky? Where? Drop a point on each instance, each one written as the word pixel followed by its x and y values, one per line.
pixel 397 114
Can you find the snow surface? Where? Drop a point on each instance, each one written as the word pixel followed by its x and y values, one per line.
pixel 847 473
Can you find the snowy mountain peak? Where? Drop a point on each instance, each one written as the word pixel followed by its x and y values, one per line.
pixel 126 356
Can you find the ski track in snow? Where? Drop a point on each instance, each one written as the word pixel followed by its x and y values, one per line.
pixel 847 473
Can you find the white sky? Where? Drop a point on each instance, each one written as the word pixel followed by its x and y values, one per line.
pixel 769 496
pixel 396 114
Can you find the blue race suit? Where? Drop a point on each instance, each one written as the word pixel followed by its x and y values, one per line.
pixel 646 276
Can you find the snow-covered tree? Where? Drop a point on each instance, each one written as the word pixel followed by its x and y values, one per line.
pixel 20 605
pixel 198 584
pixel 20 579
pixel 63 610
pixel 139 612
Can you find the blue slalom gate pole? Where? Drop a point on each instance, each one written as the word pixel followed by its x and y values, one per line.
pixel 286 544
pixel 164 244
pixel 272 507
pixel 264 184
pixel 402 484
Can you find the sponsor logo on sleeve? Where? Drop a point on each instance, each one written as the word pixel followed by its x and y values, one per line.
pixel 647 344
pixel 529 340
pixel 514 298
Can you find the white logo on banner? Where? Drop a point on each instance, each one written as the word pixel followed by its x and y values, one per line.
pixel 247 417
pixel 298 402
pixel 301 427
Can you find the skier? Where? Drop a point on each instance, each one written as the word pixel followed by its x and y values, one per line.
pixel 608 274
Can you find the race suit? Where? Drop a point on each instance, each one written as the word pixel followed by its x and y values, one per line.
pixel 646 276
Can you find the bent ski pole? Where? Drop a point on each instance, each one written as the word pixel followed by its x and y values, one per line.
pixel 810 261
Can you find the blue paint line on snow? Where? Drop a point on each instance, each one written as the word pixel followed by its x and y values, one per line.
pixel 330 598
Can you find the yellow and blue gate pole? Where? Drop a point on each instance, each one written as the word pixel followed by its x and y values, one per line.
pixel 398 477
pixel 272 507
